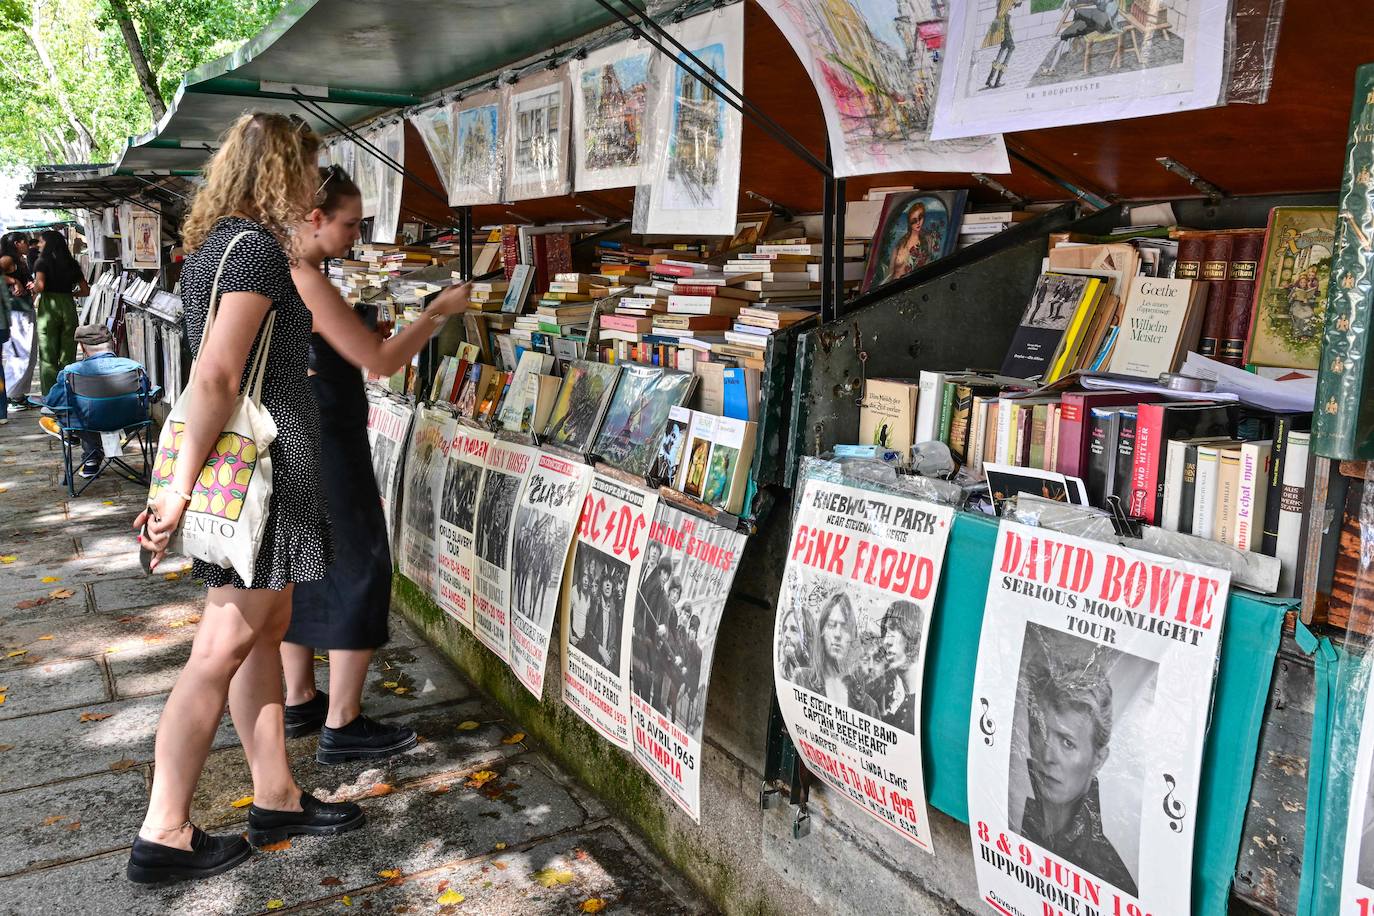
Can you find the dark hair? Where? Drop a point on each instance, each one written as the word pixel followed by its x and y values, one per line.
pixel 9 245
pixel 56 252
pixel 335 188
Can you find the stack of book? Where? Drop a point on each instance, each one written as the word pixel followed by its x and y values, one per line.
pixel 979 225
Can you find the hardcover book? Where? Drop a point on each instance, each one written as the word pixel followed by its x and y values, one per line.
pixel 727 475
pixel 1159 324
pixel 887 416
pixel 1216 255
pixel 1292 500
pixel 1158 423
pixel 633 428
pixel 1241 273
pixel 582 400
pixel 1290 298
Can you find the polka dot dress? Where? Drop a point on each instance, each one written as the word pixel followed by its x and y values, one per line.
pixel 296 546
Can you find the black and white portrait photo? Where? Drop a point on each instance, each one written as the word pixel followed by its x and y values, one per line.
pixel 1079 744
pixel 598 605
pixel 383 452
pixel 538 549
pixel 493 520
pixel 666 651
pixel 462 480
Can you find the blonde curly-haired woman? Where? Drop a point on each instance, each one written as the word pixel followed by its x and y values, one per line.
pixel 260 183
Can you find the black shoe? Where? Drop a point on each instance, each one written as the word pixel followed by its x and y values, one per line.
pixel 307 717
pixel 363 738
pixel 316 818
pixel 153 863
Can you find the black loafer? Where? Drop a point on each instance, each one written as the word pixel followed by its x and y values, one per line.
pixel 363 738
pixel 154 863
pixel 316 818
pixel 307 717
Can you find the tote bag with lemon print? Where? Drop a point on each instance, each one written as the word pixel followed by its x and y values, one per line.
pixel 224 522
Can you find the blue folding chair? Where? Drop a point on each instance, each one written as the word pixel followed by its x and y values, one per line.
pixel 115 403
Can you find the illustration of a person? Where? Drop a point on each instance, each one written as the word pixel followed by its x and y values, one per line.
pixel 1070 723
pixel 1302 304
pixel 1002 24
pixel 1097 17
pixel 918 247
pixel 893 694
pixel 696 470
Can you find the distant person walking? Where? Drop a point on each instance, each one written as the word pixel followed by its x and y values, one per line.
pixel 57 280
pixel 21 351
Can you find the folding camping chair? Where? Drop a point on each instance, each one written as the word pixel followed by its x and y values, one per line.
pixel 116 404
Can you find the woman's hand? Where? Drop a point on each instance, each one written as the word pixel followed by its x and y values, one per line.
pixel 452 301
pixel 157 522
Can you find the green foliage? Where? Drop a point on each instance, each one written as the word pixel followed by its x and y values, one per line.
pixel 67 87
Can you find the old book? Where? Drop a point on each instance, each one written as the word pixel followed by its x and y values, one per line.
pixel 1047 316
pixel 1125 456
pixel 539 401
pixel 638 411
pixel 1159 324
pixel 1100 476
pixel 1251 492
pixel 710 394
pixel 1216 255
pixel 990 434
pixel 742 385
pixel 702 305
pixel 1290 296
pixel 671 446
pixel 1157 423
pixel 1205 492
pixel 521 278
pixel 693 322
pixel 1292 499
pixel 1228 494
pixel 695 462
pixel 1188 265
pixel 732 454
pixel 1241 273
pixel 932 386
pixel 582 401
pixel 513 414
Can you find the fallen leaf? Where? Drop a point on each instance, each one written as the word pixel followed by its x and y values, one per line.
pixel 500 845
pixel 500 866
pixel 108 502
pixel 390 685
pixel 448 897
pixel 53 819
pixel 440 790
pixel 593 905
pixel 47 579
pixel 552 877
pixel 44 638
pixel 95 716
pixel 120 765
pixel 346 900
pixel 276 903
pixel 321 658
pixel 6 747
pixel 579 853
pixel 74 825
pixel 481 778
pixel 389 873
pixel 468 726
pixel 2 699
pixel 277 846
pixel 31 602
pixel 61 593
pixel 380 789
pixel 8 558
pixel 172 575
pixel 401 691
pixel 242 802
pixel 127 618
pixel 514 739
pixel 331 881
pixel 441 886
pixel 194 618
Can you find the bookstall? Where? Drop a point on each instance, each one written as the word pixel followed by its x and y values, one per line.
pixel 874 404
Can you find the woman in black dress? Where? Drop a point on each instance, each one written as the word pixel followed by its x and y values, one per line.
pixel 258 185
pixel 346 612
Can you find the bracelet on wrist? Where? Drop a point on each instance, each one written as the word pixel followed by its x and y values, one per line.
pixel 184 497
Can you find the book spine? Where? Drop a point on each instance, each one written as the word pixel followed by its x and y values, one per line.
pixel 1187 490
pixel 1125 457
pixel 1292 499
pixel 1205 494
pixel 1145 465
pixel 1216 255
pixel 1073 441
pixel 960 422
pixel 977 436
pixel 1101 456
pixel 1039 421
pixel 990 427
pixel 1002 450
pixel 1188 265
pixel 1173 485
pixel 1228 491
pixel 1242 272
pixel 1023 418
pixel 1269 538
pixel 1341 409
pixel 1052 438
pixel 1250 495
pixel 946 411
pixel 510 249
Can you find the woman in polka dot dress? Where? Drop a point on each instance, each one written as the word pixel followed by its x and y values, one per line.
pixel 261 181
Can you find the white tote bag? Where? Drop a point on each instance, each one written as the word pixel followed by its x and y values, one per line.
pixel 224 522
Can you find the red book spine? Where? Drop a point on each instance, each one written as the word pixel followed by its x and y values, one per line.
pixel 673 270
pixel 1073 439
pixel 1217 255
pixel 1241 274
pixel 1149 429
pixel 540 252
pixel 510 249
pixel 683 289
pixel 1188 266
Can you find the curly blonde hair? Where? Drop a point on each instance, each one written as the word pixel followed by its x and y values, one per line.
pixel 262 170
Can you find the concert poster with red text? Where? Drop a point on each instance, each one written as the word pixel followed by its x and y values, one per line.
pixel 1090 707
pixel 508 464
pixel 465 462
pixel 850 641
pixel 607 555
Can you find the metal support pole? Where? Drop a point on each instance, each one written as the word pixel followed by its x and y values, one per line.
pixel 838 264
pixel 829 307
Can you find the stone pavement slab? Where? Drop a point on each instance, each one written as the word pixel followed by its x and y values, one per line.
pixel 54 685
pixel 95 635
pixel 121 595
pixel 50 824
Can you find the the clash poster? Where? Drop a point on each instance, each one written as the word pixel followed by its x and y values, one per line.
pixel 1357 879
pixel 545 520
pixel 465 461
pixel 388 431
pixel 684 581
pixel 612 534
pixel 1090 705
pixel 850 641
pixel 424 480
pixel 508 464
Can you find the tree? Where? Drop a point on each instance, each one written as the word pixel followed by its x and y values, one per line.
pixel 146 80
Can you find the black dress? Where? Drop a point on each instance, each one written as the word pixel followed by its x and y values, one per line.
pixel 296 544
pixel 348 608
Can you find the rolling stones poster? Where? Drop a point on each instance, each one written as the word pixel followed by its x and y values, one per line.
pixel 388 431
pixel 612 534
pixel 684 581
pixel 1090 705
pixel 424 470
pixel 545 519
pixel 465 462
pixel 610 94
pixel 508 464
pixel 850 641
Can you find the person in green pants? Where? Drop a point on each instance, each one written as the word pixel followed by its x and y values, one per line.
pixel 56 278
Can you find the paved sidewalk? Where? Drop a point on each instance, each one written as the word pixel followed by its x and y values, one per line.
pixel 473 820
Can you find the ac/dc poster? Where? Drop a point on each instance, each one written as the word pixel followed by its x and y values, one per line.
pixel 684 581
pixel 850 642
pixel 612 533
pixel 1090 706
pixel 508 464
pixel 465 461
pixel 545 519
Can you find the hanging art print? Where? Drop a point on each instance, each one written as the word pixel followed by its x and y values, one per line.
pixel 1028 64
pixel 1090 706
pixel 391 140
pixel 537 136
pixel 915 229
pixel 465 459
pixel 694 185
pixel 435 127
pixel 610 101
pixel 875 65
pixel 508 464
pixel 479 152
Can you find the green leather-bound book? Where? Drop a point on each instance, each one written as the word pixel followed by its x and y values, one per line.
pixel 1343 426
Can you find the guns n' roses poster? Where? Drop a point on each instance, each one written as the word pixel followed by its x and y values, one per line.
pixel 1090 704
pixel 423 485
pixel 684 581
pixel 508 464
pixel 544 522
pixel 611 537
pixel 850 641
pixel 465 460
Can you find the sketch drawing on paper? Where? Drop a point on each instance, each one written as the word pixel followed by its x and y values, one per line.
pixel 538 133
pixel 477 161
pixel 614 96
pixel 697 136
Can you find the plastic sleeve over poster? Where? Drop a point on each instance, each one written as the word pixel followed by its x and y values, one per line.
pixel 611 90
pixel 684 582
pixel 465 460
pixel 875 67
pixel 391 140
pixel 479 150
pixel 1090 708
pixel 611 536
pixel 423 483
pixel 537 144
pixel 388 432
pixel 436 128
pixel 692 175
pixel 849 643
pixel 545 520
pixel 508 465
pixel 1021 65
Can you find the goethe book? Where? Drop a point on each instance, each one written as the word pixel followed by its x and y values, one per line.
pixel 1161 321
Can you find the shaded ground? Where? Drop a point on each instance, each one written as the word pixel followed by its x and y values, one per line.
pixel 472 820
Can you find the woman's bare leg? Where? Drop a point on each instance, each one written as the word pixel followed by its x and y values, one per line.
pixel 255 702
pixel 298 664
pixel 347 674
